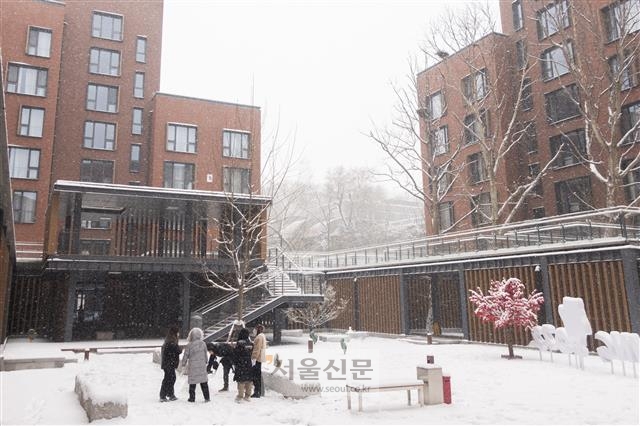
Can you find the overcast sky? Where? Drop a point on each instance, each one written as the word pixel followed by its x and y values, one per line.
pixel 321 69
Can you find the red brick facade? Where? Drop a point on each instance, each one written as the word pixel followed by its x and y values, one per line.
pixel 586 28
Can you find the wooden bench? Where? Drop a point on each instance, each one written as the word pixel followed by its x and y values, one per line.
pixel 419 386
pixel 95 349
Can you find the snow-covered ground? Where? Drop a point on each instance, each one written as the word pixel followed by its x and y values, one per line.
pixel 486 388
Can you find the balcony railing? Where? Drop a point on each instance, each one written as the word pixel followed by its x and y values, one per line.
pixel 578 230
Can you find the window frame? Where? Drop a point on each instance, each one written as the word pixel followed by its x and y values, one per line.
pixel 613 30
pixel 228 145
pixel 479 203
pixel 629 112
pixel 517 19
pixel 429 105
pixel 526 97
pixel 229 175
pixel 446 208
pixel 186 184
pixel 109 144
pixel 20 214
pixel 134 164
pixel 29 125
pixel 91 162
pixel 115 17
pixel 141 53
pixel 188 144
pixel 550 107
pixel 13 86
pixel 551 13
pixel 521 53
pixel 36 47
pixel 99 51
pixel 471 87
pixel 477 168
pixel 138 85
pixel 551 67
pixel 573 145
pixel 135 124
pixel 440 146
pixel 110 91
pixel 32 170
pixel 564 198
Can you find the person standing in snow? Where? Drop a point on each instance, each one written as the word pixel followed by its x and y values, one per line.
pixel 196 357
pixel 169 360
pixel 258 356
pixel 242 366
pixel 225 351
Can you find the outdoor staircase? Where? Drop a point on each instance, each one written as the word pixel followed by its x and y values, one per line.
pixel 280 289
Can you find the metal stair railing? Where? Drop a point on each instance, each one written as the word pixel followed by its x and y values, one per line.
pixel 249 313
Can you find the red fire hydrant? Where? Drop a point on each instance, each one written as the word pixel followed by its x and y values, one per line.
pixel 446 389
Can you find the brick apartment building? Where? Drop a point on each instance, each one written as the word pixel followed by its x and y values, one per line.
pixel 81 83
pixel 527 112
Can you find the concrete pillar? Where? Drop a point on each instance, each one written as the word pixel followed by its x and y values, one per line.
pixel 186 305
pixel 76 219
pixel 71 305
pixel 543 277
pixel 632 285
pixel 464 301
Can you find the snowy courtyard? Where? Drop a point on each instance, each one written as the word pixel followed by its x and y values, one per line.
pixel 486 389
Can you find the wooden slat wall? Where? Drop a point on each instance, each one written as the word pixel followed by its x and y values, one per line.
pixel 484 332
pixel 600 285
pixel 29 305
pixel 418 300
pixel 344 290
pixel 380 304
pixel 449 302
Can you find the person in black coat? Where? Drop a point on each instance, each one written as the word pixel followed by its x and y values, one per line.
pixel 212 364
pixel 169 360
pixel 225 352
pixel 242 364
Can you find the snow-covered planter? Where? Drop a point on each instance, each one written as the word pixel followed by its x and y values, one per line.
pixel 288 388
pixel 100 398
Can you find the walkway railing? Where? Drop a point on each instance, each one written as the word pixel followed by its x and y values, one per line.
pixel 571 230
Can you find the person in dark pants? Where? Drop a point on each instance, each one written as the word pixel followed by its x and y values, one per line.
pixel 242 364
pixel 212 364
pixel 258 356
pixel 169 360
pixel 225 352
pixel 196 357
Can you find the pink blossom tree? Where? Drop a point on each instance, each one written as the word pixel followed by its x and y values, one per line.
pixel 506 306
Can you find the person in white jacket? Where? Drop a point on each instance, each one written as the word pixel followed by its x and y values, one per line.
pixel 258 356
pixel 195 358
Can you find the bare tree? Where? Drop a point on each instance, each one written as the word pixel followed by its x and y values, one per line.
pixel 315 314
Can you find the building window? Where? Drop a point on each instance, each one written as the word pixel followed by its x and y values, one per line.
pixel 474 86
pixel 96 223
pixel 24 163
pixel 141 49
pixel 538 213
pixel 443 177
pixel 178 175
pixel 138 85
pixel 573 195
pixel 236 180
pixel 445 215
pixel 521 54
pixel 100 171
pixel 136 121
pixel 534 171
pixel 107 25
pixel 631 182
pixel 98 135
pixel 562 104
pixel 440 141
pixel 104 61
pixel 39 43
pixel 24 206
pixel 435 106
pixel 624 76
pixel 621 18
pixel 554 61
pixel 27 80
pixel 530 137
pixel 474 129
pixel 516 12
pixel 629 123
pixel 235 144
pixel 94 247
pixel 526 100
pixel 102 98
pixel 481 209
pixel 553 18
pixel 134 163
pixel 477 168
pixel 571 148
pixel 181 138
pixel 31 122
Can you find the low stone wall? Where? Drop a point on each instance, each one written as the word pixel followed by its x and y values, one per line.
pixel 99 401
pixel 31 363
pixel 287 388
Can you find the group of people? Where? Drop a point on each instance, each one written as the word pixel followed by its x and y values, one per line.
pixel 244 358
